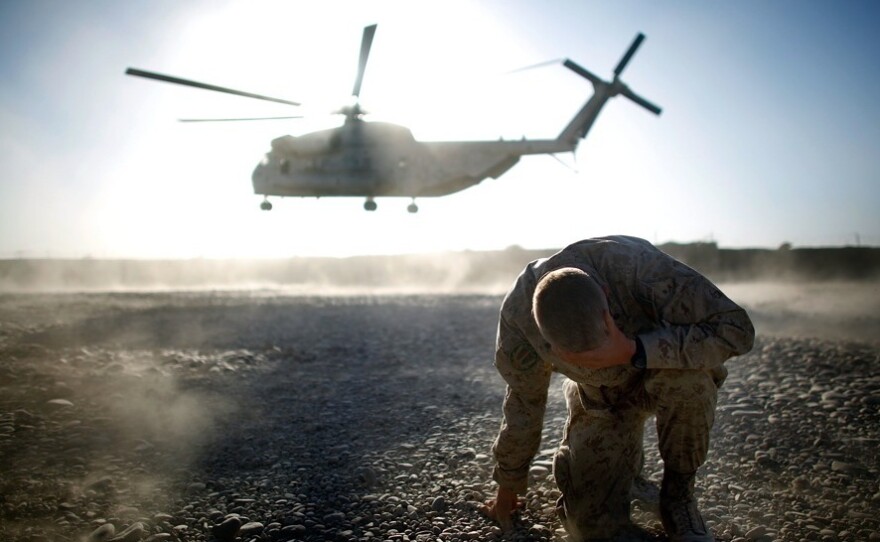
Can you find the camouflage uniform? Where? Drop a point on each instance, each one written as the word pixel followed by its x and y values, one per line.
pixel 688 327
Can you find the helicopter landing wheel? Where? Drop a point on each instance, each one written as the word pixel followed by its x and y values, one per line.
pixel 412 207
pixel 370 205
pixel 266 205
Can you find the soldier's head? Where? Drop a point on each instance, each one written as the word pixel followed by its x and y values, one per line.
pixel 569 307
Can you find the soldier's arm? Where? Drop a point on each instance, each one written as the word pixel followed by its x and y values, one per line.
pixel 527 377
pixel 699 326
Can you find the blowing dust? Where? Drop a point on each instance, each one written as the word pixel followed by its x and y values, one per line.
pixel 828 310
pixel 94 417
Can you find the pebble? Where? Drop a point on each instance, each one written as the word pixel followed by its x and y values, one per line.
pixel 438 504
pixel 840 466
pixel 134 532
pixel 539 471
pixel 251 528
pixel 103 533
pixel 227 529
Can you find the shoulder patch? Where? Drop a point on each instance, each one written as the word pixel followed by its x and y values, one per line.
pixel 523 357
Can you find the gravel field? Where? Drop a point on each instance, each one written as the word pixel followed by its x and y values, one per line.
pixel 263 416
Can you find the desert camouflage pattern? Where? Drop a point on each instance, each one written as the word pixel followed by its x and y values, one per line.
pixel 689 329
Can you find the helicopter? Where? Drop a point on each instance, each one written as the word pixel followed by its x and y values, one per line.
pixel 373 159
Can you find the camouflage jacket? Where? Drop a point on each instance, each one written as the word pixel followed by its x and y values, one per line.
pixel 683 320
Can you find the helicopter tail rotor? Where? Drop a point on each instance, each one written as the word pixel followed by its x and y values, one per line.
pixel 616 86
pixel 580 125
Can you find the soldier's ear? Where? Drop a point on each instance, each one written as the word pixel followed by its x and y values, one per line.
pixel 610 324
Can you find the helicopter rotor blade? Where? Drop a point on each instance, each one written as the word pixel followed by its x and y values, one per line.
pixel 640 101
pixel 196 84
pixel 237 119
pixel 583 72
pixel 629 53
pixel 366 44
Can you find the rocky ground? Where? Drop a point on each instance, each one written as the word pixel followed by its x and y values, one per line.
pixel 184 416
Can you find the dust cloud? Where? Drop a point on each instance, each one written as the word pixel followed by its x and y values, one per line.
pixel 152 405
pixel 829 293
pixel 449 272
pixel 454 272
pixel 834 310
pixel 97 417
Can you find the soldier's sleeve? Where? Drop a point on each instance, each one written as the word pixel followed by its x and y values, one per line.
pixel 527 377
pixel 699 326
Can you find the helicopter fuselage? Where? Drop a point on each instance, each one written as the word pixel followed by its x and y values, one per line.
pixel 380 159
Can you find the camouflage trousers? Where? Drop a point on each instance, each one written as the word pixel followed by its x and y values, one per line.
pixel 601 450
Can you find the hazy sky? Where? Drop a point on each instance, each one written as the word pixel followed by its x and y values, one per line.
pixel 770 130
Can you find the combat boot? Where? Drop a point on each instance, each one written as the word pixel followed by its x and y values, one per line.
pixel 678 509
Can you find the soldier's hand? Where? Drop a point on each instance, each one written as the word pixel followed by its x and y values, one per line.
pixel 501 508
pixel 617 349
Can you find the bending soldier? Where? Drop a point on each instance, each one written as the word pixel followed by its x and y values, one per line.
pixel 637 333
